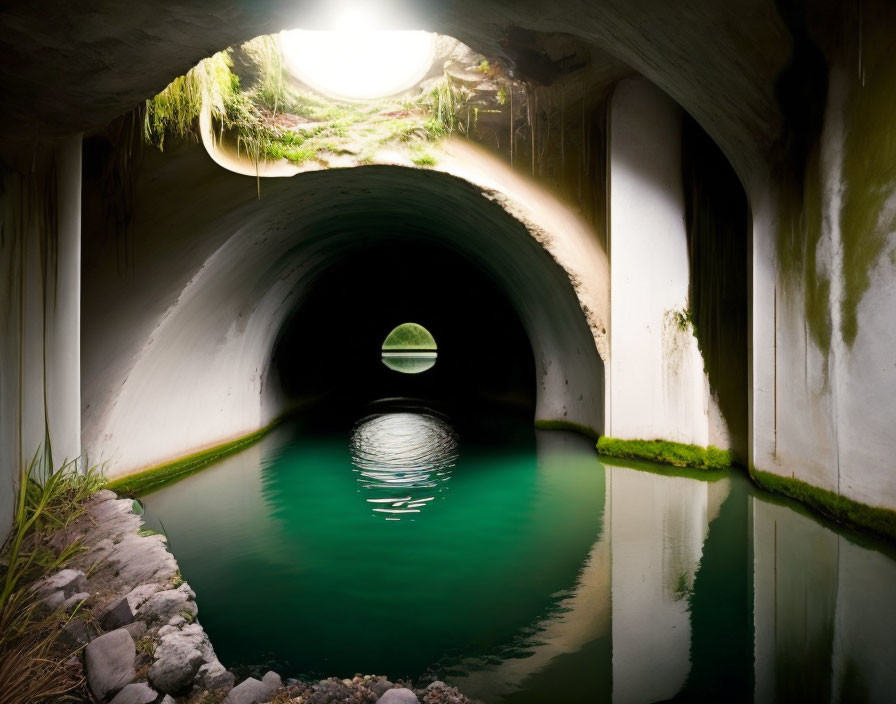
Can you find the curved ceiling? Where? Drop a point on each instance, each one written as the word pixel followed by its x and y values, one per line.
pixel 68 67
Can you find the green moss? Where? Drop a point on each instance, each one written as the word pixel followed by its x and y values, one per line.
pixel 666 452
pixel 567 425
pixel 149 480
pixel 425 159
pixel 869 162
pixel 839 508
pixel 409 336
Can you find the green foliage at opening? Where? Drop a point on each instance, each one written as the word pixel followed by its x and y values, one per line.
pixel 272 117
pixel 409 336
pixel 147 481
pixel 674 453
pixel 839 508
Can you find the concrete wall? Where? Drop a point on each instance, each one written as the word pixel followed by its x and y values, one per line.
pixel 657 387
pixel 40 261
pixel 824 287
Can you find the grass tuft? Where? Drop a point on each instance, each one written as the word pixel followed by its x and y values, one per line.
pixel 32 658
pixel 674 453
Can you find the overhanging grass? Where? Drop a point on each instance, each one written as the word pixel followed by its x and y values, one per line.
pixel 674 453
pixel 149 480
pixel 834 506
pixel 567 425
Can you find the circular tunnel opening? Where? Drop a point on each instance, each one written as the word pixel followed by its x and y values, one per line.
pixel 341 345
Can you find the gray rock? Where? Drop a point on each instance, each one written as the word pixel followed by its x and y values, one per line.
pixel 137 629
pixel 138 595
pixel 177 660
pixel 110 662
pixel 118 615
pixel 249 691
pixel 213 676
pixel 78 632
pixel 54 600
pixel 167 699
pixel 67 581
pixel 272 680
pixel 380 687
pixel 161 607
pixel 398 696
pixel 138 693
pixel 73 601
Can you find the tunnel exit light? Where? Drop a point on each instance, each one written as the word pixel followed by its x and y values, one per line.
pixel 356 62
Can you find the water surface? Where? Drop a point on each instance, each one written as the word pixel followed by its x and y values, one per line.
pixel 512 563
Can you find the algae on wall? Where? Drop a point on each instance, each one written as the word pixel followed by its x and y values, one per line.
pixel 868 214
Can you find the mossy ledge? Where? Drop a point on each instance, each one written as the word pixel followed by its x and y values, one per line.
pixel 840 509
pixel 149 480
pixel 675 453
pixel 567 425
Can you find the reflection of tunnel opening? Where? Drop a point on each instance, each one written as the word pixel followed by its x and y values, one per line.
pixel 330 345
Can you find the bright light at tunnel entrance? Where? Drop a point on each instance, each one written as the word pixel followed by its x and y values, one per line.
pixel 356 62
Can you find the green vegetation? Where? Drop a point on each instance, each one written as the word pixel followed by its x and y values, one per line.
pixel 834 506
pixel 32 658
pixel 674 453
pixel 409 336
pixel 567 425
pixel 150 480
pixel 273 117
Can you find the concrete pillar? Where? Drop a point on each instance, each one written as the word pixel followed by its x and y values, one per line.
pixel 657 387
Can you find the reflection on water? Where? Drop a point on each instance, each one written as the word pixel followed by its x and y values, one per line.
pixel 546 577
pixel 410 362
pixel 403 460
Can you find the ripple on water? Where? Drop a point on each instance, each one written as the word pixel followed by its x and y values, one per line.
pixel 403 460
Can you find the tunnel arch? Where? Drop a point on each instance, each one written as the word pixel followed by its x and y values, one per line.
pixel 198 378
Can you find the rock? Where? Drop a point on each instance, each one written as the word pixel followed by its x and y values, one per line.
pixel 138 595
pixel 137 629
pixel 54 600
pixel 110 662
pixel 138 693
pixel 78 632
pixel 398 696
pixel 118 615
pixel 272 680
pixel 67 581
pixel 249 691
pixel 380 687
pixel 177 660
pixel 161 607
pixel 212 675
pixel 103 495
pixel 74 601
pixel 167 699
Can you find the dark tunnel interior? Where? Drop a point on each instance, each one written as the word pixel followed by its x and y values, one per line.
pixel 329 348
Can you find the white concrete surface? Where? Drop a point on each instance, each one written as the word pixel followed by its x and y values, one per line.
pixel 657 386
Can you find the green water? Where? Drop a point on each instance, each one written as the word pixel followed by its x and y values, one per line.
pixel 515 565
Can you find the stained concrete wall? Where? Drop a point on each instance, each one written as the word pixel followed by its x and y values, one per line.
pixel 40 261
pixel 824 284
pixel 657 387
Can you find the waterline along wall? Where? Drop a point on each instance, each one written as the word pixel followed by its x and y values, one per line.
pixel 177 326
